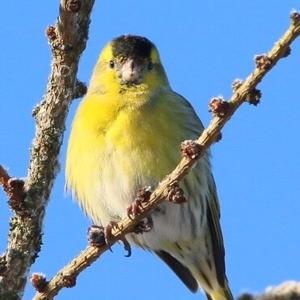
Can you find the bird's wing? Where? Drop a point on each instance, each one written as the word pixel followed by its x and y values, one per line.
pixel 213 220
pixel 179 269
pixel 196 124
pixel 213 208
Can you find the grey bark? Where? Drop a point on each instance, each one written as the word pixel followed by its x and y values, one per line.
pixel 67 39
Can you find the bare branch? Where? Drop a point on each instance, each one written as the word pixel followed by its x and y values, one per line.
pixel 242 91
pixel 67 40
pixel 289 290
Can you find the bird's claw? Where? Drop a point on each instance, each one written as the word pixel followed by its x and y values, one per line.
pixel 127 247
pixel 142 196
pixel 176 194
pixel 108 231
pixel 134 209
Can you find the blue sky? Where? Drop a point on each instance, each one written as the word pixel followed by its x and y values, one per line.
pixel 204 46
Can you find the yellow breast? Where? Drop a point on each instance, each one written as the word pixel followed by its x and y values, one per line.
pixel 120 143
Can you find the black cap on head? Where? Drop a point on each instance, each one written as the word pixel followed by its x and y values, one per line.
pixel 131 46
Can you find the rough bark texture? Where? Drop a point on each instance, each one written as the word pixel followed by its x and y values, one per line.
pixel 243 91
pixel 67 39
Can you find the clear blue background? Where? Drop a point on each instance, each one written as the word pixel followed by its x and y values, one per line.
pixel 204 46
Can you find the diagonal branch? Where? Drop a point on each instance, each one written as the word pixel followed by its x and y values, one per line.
pixel 67 40
pixel 223 111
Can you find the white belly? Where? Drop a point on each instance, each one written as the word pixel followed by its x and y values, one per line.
pixel 171 222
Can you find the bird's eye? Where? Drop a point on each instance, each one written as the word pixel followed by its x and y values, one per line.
pixel 111 64
pixel 150 65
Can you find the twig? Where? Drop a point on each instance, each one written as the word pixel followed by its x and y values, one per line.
pixel 4 177
pixel 242 91
pixel 67 39
pixel 14 188
pixel 289 290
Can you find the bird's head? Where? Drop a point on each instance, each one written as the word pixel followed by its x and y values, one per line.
pixel 129 61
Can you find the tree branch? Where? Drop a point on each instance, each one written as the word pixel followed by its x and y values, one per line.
pixel 222 111
pixel 289 290
pixel 67 40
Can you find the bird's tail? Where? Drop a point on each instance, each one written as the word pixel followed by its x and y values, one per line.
pixel 215 285
pixel 220 294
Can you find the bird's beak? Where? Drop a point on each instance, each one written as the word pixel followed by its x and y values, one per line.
pixel 132 72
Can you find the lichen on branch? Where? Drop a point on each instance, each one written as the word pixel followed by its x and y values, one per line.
pixel 67 40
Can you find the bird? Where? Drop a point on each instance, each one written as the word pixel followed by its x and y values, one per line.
pixel 126 135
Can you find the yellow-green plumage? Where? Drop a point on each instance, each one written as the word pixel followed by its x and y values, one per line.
pixel 126 135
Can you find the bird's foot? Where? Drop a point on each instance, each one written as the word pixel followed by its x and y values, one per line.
pixel 142 196
pixel 127 247
pixel 108 236
pixel 134 208
pixel 108 231
pixel 176 194
pixel 190 149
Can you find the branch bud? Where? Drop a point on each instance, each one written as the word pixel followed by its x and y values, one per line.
pixel 218 107
pixel 39 282
pixel 263 62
